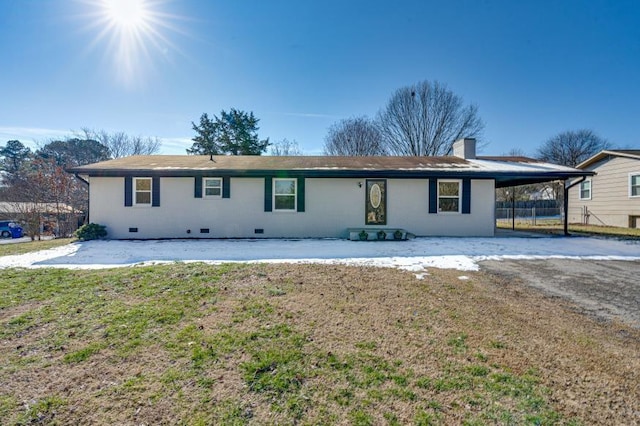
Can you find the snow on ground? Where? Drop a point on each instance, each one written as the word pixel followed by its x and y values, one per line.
pixel 415 255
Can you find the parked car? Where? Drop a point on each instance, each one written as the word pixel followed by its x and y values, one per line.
pixel 9 228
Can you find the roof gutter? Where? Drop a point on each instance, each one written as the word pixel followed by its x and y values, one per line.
pixel 567 187
pixel 83 180
pixel 86 182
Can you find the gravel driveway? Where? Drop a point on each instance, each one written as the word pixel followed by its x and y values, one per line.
pixel 605 289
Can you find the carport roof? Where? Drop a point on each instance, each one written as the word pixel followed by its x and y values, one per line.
pixel 507 171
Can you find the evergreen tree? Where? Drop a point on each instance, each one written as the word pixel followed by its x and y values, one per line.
pixel 206 140
pixel 74 152
pixel 234 132
pixel 13 155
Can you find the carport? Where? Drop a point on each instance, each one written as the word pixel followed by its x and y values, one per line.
pixel 530 173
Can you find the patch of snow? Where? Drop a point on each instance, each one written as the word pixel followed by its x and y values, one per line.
pixel 463 277
pixel 416 255
pixel 511 166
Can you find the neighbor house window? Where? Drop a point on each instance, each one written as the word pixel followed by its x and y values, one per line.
pixel 449 196
pixel 284 194
pixel 212 187
pixel 142 194
pixel 634 185
pixel 585 190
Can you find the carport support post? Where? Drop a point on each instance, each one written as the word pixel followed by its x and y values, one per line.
pixel 566 209
pixel 567 186
pixel 513 208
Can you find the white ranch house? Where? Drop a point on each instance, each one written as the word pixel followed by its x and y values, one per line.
pixel 302 197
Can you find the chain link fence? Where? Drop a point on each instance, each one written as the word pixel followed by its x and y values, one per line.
pixel 531 215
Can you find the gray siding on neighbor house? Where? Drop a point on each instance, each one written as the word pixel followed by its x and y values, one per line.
pixel 331 206
pixel 610 202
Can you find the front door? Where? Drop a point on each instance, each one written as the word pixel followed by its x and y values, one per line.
pixel 376 202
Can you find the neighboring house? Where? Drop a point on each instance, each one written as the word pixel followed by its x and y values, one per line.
pixel 297 197
pixel 57 218
pixel 545 192
pixel 612 196
pixel 8 209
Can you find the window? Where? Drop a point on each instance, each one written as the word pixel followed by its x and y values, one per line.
pixel 284 194
pixel 212 188
pixel 142 188
pixel 448 196
pixel 634 185
pixel 585 190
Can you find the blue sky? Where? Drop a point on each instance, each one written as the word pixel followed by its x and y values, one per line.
pixel 533 68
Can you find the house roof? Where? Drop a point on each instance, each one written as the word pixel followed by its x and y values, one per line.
pixel 506 170
pixel 627 153
pixel 12 207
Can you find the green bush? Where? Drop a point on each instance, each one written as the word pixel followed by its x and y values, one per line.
pixel 91 231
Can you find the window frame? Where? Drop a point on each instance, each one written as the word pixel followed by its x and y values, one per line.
pixel 631 176
pixel 135 191
pixel 204 188
pixel 581 189
pixel 457 197
pixel 294 195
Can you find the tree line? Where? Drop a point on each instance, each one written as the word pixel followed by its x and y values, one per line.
pixel 35 188
pixel 422 119
pixel 426 118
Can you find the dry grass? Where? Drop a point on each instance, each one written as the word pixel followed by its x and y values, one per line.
pixel 26 247
pixel 306 344
pixel 556 227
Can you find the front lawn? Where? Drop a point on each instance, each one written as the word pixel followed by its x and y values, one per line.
pixel 307 344
pixel 556 227
pixel 30 246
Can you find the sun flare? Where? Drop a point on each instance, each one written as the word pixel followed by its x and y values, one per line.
pixel 133 34
pixel 127 13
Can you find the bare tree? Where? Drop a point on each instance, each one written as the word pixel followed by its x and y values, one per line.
pixel 121 144
pixel 44 195
pixel 357 136
pixel 285 148
pixel 571 148
pixel 27 197
pixel 426 119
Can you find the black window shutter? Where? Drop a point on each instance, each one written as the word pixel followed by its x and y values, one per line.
pixel 155 191
pixel 433 196
pixel 268 194
pixel 226 187
pixel 300 194
pixel 466 196
pixel 197 187
pixel 128 191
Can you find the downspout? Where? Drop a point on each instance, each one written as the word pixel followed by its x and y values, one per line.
pixel 79 178
pixel 566 203
pixel 86 182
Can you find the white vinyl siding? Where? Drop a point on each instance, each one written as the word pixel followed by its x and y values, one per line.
pixel 284 194
pixel 449 199
pixel 142 191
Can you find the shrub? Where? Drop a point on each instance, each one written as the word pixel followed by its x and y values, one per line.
pixel 91 231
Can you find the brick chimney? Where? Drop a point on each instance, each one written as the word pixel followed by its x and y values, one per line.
pixel 465 148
